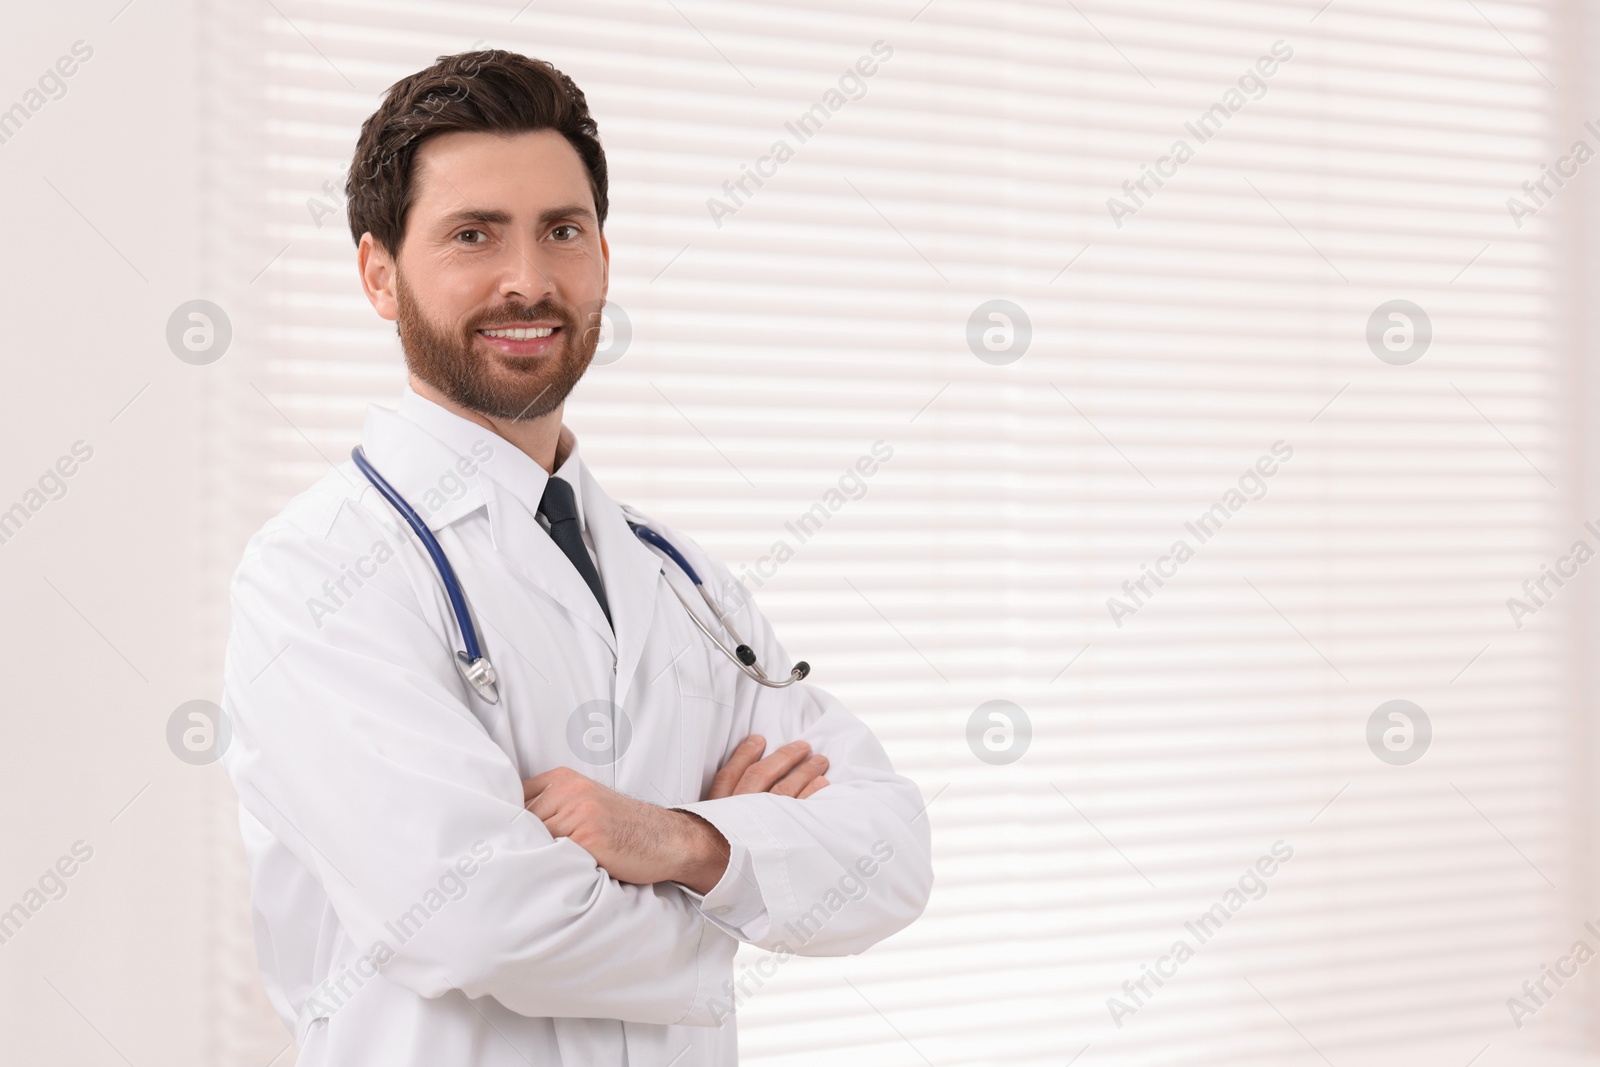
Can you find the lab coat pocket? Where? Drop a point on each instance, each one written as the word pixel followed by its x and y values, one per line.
pixel 705 716
pixel 703 730
pixel 691 663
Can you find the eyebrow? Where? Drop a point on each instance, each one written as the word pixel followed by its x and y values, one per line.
pixel 495 217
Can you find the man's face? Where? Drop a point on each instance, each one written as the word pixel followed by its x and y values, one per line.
pixel 502 273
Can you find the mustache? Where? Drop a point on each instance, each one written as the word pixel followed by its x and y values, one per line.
pixel 544 309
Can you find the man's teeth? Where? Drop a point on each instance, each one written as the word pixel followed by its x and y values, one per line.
pixel 521 334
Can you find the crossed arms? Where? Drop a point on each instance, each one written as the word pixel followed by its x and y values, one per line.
pixel 640 843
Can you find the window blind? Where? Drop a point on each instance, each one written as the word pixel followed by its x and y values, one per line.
pixel 1068 346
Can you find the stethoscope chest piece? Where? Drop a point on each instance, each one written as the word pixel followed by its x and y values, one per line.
pixel 479 674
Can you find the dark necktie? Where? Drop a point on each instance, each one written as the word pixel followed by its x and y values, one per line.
pixel 560 509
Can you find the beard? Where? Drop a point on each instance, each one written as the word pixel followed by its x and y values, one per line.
pixel 466 368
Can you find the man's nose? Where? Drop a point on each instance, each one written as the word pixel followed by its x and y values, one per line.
pixel 523 276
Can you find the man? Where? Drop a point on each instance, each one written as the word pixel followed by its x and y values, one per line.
pixel 560 874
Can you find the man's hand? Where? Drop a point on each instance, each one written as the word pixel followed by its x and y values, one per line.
pixel 787 772
pixel 641 843
pixel 633 841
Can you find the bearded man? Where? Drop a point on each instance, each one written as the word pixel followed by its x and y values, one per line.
pixel 507 795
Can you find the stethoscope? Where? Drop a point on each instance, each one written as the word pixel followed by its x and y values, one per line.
pixel 475 666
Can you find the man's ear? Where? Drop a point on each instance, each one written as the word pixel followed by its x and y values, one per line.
pixel 378 277
pixel 605 267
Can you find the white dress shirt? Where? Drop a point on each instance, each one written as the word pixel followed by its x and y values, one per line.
pixel 407 910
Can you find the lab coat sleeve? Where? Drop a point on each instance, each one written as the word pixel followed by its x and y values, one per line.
pixel 734 904
pixel 354 745
pixel 834 873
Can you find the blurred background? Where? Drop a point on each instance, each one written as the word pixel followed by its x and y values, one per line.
pixel 1286 303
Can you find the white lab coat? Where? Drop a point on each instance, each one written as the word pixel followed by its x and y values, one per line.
pixel 372 780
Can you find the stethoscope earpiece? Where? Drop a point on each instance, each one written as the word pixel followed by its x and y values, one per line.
pixel 742 655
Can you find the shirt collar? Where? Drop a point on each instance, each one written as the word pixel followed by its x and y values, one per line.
pixel 511 469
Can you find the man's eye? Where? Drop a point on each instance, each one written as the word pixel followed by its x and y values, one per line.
pixel 570 231
pixel 465 233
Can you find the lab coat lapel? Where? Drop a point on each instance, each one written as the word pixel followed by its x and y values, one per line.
pixel 424 470
pixel 631 573
pixel 521 540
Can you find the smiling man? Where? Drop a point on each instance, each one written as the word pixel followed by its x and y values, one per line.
pixel 548 849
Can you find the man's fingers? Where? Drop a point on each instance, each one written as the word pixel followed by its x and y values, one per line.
pixel 532 787
pixel 787 772
pixel 793 783
pixel 816 784
pixel 766 773
pixel 743 757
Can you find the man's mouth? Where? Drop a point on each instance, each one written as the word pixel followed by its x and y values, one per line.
pixel 517 340
pixel 520 333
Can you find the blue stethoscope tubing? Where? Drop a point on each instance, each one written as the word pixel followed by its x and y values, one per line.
pixel 472 663
pixel 475 666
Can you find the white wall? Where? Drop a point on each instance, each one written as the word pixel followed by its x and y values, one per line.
pixel 99 638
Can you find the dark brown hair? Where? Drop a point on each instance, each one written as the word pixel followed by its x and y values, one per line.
pixel 492 91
